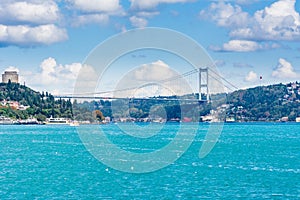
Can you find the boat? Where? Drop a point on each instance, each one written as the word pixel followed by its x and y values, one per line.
pixel 57 121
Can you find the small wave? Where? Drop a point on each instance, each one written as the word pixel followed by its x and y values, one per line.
pixel 55 142
pixel 255 168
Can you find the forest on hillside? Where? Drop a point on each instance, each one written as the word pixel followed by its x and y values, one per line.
pixel 40 105
pixel 263 103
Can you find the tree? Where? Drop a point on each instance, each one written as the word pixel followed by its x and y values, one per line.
pixel 40 117
pixel 98 115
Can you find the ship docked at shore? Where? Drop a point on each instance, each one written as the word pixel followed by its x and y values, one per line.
pixel 61 121
pixel 57 121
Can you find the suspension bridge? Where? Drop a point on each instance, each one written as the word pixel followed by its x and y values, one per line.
pixel 201 81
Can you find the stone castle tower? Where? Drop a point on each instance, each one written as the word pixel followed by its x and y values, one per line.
pixel 13 76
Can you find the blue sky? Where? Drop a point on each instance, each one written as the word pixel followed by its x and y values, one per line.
pixel 47 40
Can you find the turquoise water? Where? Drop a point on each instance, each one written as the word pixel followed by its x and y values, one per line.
pixel 255 160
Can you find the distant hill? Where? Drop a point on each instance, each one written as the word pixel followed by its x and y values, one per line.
pixel 265 103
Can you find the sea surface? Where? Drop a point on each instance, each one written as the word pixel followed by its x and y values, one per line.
pixel 250 161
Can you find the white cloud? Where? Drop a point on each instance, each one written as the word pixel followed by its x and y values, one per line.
pixel 53 76
pixel 42 12
pixel 91 19
pixel 48 71
pixel 96 5
pixel 279 21
pixel 152 79
pixel 140 19
pixel 30 23
pixel 11 68
pixel 284 70
pixel 251 76
pixel 51 72
pixel 147 14
pixel 23 35
pixel 138 22
pixel 148 4
pixel 242 65
pixel 225 14
pixel 155 71
pixel 237 45
pixel 120 27
pixel 241 45
pixel 244 46
pixel 94 11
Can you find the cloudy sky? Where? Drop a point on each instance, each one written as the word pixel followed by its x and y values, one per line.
pixel 47 40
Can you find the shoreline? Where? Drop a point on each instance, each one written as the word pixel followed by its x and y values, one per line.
pixel 168 122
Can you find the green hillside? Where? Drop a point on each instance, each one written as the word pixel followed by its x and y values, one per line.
pixel 39 105
pixel 265 103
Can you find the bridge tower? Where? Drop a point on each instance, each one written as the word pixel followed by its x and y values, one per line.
pixel 203 84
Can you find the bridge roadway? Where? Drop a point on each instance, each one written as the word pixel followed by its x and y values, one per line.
pixel 202 85
pixel 128 98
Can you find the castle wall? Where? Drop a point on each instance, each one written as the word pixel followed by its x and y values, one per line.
pixel 12 76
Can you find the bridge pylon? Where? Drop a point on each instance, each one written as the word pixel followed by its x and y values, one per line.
pixel 203 84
